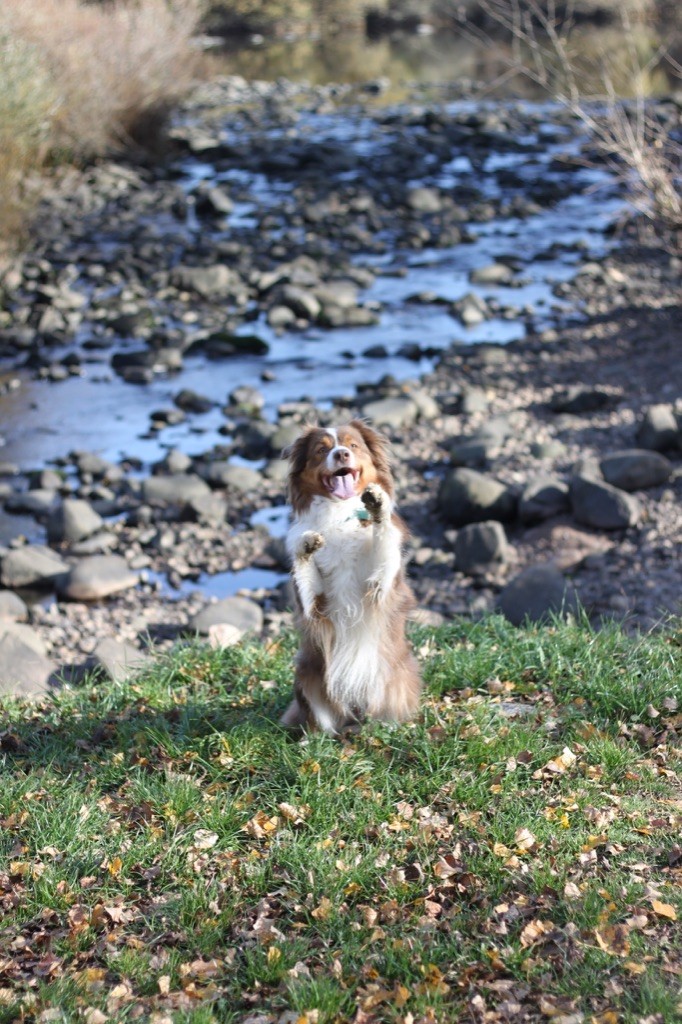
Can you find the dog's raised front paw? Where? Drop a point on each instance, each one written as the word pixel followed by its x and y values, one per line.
pixel 309 543
pixel 375 501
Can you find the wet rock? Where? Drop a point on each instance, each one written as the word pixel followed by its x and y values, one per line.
pixel 337 295
pixel 117 661
pixel 580 399
pixel 254 440
pixel 542 498
pixel 492 274
pixel 281 317
pixel 212 201
pixel 424 200
pixel 23 671
pixel 92 464
pixel 658 429
pixel 400 411
pixel 12 607
pixel 215 283
pixel 210 509
pixel 191 401
pixel 237 478
pixel 39 502
pixel 74 520
pixel 177 489
pixel 471 309
pixel 32 566
pixel 97 577
pixel 240 612
pixel 301 302
pixel 224 343
pixel 480 546
pixel 535 594
pixel 466 496
pixel 174 462
pixel 246 399
pixel 635 469
pixel 598 504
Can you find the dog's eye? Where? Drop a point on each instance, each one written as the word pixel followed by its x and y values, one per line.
pixel 322 450
pixel 354 445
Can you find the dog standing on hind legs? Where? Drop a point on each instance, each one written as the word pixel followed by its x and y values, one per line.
pixel 350 592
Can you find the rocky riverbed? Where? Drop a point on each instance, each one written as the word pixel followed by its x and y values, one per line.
pixel 444 269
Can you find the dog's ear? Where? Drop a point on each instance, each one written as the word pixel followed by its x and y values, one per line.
pixel 380 450
pixel 297 451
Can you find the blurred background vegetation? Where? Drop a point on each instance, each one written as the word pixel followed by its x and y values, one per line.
pixel 83 78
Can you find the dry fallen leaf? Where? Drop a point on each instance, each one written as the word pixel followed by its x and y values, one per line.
pixel 613 939
pixel 664 910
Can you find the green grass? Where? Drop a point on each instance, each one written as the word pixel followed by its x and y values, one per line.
pixel 166 849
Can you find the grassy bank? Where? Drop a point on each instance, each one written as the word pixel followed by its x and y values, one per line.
pixel 78 81
pixel 167 850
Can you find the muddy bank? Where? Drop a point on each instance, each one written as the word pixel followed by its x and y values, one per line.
pixel 447 271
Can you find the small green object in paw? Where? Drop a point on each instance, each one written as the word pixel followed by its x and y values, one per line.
pixel 360 513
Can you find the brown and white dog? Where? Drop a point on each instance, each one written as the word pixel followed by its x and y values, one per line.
pixel 352 600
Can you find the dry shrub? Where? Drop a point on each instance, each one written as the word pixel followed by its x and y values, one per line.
pixel 115 68
pixel 631 135
pixel 27 105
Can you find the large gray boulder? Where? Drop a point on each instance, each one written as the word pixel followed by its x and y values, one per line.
pixel 32 566
pixel 213 283
pixel 24 671
pixel 543 497
pixel 479 547
pixel 240 612
pixel 635 469
pixel 74 520
pixel 466 496
pixel 598 504
pixel 38 502
pixel 177 489
pixel 237 478
pixel 116 660
pixel 12 607
pixel 659 429
pixel 401 411
pixel 97 577
pixel 535 594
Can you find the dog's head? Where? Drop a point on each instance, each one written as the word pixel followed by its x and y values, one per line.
pixel 337 463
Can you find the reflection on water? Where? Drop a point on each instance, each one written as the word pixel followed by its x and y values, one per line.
pixel 452 60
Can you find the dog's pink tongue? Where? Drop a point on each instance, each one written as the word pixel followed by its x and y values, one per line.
pixel 344 486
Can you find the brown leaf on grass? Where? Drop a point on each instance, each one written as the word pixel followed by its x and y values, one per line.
pixel 200 969
pixel 535 931
pixel 525 841
pixel 613 939
pixel 79 919
pixel 557 765
pixel 323 910
pixel 664 910
pixel 203 839
pixel 261 826
pixel 296 815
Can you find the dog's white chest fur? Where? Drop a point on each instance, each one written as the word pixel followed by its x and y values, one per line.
pixel 356 563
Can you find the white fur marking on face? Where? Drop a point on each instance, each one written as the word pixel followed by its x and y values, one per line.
pixel 334 436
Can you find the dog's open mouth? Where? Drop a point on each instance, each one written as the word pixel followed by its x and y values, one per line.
pixel 342 483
